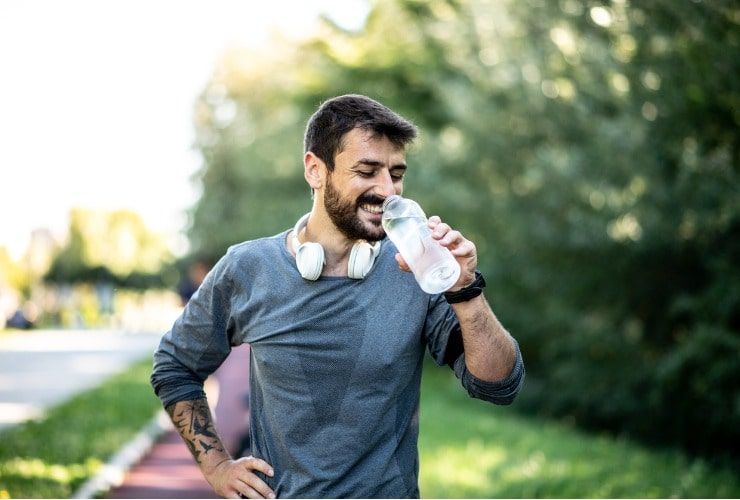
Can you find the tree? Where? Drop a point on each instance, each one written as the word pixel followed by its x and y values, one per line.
pixel 110 246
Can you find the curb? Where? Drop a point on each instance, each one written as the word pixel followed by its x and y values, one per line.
pixel 114 471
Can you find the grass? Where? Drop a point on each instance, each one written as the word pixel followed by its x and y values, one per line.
pixel 7 331
pixel 52 457
pixel 472 449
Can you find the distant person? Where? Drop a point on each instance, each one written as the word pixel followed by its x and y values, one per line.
pixel 197 271
pixel 24 318
pixel 18 320
pixel 337 332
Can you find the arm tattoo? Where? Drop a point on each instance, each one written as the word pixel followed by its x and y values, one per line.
pixel 193 421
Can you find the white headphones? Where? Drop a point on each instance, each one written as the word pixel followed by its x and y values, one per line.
pixel 309 256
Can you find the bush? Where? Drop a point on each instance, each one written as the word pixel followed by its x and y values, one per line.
pixel 695 397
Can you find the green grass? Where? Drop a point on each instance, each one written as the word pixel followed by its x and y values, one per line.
pixel 52 457
pixel 7 331
pixel 470 448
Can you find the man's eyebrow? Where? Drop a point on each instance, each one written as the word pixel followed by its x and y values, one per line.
pixel 378 164
pixel 369 163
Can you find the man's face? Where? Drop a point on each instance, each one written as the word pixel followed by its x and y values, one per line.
pixel 367 170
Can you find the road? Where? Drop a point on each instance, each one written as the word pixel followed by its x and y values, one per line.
pixel 39 369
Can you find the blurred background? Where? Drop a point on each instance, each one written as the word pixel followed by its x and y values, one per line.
pixel 588 147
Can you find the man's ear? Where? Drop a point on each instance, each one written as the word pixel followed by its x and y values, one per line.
pixel 314 170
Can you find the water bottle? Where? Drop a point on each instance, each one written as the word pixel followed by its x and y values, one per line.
pixel 405 223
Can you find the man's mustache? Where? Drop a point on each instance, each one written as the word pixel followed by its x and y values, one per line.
pixel 370 199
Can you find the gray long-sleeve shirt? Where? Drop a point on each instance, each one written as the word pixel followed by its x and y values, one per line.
pixel 335 367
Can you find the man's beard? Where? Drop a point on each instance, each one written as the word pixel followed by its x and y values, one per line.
pixel 343 214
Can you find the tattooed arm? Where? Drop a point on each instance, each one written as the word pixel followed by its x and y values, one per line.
pixel 229 478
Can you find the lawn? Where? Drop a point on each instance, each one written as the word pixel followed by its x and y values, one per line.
pixel 472 449
pixel 53 457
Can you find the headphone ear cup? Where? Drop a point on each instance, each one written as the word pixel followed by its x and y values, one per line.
pixel 309 259
pixel 361 260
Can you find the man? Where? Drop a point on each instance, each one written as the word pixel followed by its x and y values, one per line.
pixel 337 331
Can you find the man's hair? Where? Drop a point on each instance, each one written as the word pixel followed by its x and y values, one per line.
pixel 337 116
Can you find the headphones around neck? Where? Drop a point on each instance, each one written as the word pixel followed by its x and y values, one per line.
pixel 310 260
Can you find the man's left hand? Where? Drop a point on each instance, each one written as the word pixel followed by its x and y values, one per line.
pixel 461 248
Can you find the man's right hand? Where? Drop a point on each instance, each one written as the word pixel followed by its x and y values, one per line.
pixel 236 478
pixel 229 478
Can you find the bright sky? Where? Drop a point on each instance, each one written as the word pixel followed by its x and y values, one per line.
pixel 96 100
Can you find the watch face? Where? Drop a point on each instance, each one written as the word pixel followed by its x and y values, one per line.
pixel 480 280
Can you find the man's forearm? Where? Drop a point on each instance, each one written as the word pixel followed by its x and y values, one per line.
pixel 194 422
pixel 490 354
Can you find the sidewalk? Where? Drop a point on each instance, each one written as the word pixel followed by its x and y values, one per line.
pixel 169 470
pixel 31 364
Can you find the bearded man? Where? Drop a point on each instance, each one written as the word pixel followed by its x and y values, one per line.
pixel 337 329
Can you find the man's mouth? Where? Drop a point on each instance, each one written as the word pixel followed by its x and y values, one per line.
pixel 371 204
pixel 373 209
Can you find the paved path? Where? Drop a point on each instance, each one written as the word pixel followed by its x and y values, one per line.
pixel 41 368
pixel 168 470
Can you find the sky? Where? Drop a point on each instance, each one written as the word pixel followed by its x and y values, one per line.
pixel 96 101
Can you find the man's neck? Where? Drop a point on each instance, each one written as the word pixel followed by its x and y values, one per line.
pixel 337 246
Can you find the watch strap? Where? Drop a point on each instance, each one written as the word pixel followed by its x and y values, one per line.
pixel 469 292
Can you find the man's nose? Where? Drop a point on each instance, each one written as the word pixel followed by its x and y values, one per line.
pixel 386 187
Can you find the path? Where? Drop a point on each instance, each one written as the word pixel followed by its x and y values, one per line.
pixel 42 368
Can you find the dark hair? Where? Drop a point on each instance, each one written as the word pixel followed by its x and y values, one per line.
pixel 339 115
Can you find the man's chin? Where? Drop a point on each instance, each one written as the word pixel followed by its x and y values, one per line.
pixel 372 227
pixel 374 232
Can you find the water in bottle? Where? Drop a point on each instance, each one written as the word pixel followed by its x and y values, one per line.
pixel 405 223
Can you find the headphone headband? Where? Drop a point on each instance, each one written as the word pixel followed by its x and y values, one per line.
pixel 310 260
pixel 294 241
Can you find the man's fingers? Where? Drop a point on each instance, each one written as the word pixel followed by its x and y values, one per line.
pixel 252 463
pixel 250 480
pixel 246 491
pixel 464 249
pixel 259 486
pixel 402 263
pixel 458 245
pixel 451 238
pixel 440 230
pixel 241 481
pixel 254 490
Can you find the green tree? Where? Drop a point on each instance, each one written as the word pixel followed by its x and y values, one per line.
pixel 250 135
pixel 589 148
pixel 11 273
pixel 110 246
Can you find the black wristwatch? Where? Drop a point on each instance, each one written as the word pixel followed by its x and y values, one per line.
pixel 471 291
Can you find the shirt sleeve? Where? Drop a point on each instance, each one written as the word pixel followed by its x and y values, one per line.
pixel 199 341
pixel 444 341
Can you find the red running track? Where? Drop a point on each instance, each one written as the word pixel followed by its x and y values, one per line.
pixel 168 470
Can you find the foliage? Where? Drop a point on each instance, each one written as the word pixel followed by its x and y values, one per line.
pixel 250 137
pixel 589 148
pixel 11 274
pixel 114 247
pixel 52 457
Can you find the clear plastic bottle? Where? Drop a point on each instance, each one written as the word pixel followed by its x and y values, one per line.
pixel 405 223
